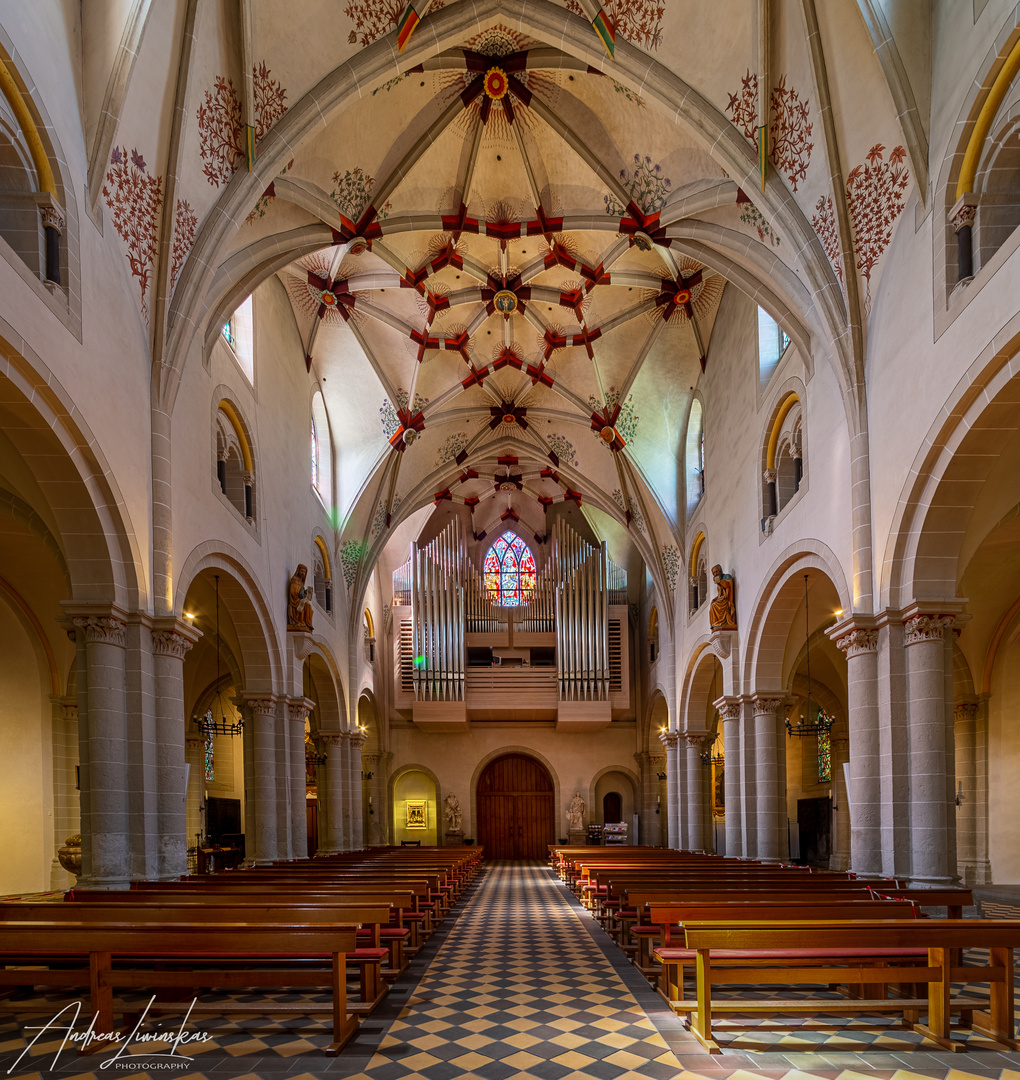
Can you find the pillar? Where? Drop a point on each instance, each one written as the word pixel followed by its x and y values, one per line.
pixel 297 712
pixel 162 512
pixel 331 787
pixel 695 838
pixel 860 645
pixel 261 839
pixel 961 217
pixel 771 499
pixel 669 740
pixel 748 784
pixel 729 717
pixel 53 226
pixel 965 723
pixel 249 497
pixel 194 805
pixel 357 741
pixel 930 858
pixel 982 866
pixel 769 797
pixel 66 802
pixel 103 754
pixel 171 641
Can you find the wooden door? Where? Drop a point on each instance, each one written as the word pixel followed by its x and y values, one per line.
pixel 515 809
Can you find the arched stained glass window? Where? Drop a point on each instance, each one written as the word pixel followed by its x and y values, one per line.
pixel 510 572
pixel 315 456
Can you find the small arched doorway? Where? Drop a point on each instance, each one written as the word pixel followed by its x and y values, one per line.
pixel 612 808
pixel 515 808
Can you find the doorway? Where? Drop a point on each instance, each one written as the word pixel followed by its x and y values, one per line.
pixel 515 808
pixel 814 820
pixel 612 808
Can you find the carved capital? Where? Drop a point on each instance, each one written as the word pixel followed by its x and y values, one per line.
pixel 105 630
pixel 248 478
pixel 857 642
pixel 965 712
pixel 728 709
pixel 52 217
pixel 696 740
pixel 358 739
pixel 922 628
pixel 170 643
pixel 69 713
pixel 764 706
pixel 669 739
pixel 770 475
pixel 193 744
pixel 332 740
pixel 260 705
pixel 963 212
pixel 298 708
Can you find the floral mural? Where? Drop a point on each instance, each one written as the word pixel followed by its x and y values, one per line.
pixel 875 193
pixel 671 565
pixel 134 195
pixel 824 223
pixel 563 448
pixel 751 215
pixel 221 132
pixel 185 223
pixel 350 555
pixel 637 519
pixel 265 200
pixel 451 447
pixel 627 422
pixel 639 21
pixel 646 185
pixel 789 125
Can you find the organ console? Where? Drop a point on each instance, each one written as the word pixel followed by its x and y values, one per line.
pixel 573 610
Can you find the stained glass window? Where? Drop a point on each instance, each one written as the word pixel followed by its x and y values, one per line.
pixel 315 457
pixel 510 572
pixel 825 749
pixel 210 771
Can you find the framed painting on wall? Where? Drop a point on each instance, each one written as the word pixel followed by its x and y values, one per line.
pixel 416 814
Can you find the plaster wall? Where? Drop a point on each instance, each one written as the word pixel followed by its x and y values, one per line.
pixel 1004 765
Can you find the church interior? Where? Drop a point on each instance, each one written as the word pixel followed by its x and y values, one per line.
pixel 666 493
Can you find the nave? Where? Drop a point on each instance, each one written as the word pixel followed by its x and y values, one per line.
pixel 520 982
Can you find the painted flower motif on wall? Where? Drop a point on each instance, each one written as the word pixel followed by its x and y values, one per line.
pixel 627 420
pixel 379 518
pixel 671 565
pixel 646 185
pixel 563 448
pixel 637 519
pixel 824 223
pixel 451 447
pixel 639 21
pixel 875 193
pixel 789 125
pixel 266 199
pixel 373 18
pixel 185 223
pixel 135 196
pixel 220 130
pixel 751 215
pixel 352 192
pixel 350 555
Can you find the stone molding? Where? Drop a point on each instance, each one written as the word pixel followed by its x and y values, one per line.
pixel 858 642
pixel 103 629
pixel 924 628
pixel 722 643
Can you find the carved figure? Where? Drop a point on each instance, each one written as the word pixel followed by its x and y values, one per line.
pixel 722 615
pixel 575 813
pixel 299 605
pixel 452 816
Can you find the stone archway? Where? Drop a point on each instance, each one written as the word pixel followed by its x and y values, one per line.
pixel 516 810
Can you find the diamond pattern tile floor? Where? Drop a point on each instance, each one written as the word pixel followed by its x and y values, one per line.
pixel 521 983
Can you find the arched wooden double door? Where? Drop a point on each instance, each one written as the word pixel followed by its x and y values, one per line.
pixel 515 808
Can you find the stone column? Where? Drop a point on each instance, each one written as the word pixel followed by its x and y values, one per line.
pixel 171 641
pixel 346 796
pixel 962 217
pixel 194 804
pixel 331 791
pixel 729 717
pixel 930 858
pixel 771 501
pixel 965 718
pixel 748 784
pixel 669 741
pixel 357 741
pixel 66 802
pixel 769 797
pixel 982 867
pixel 162 511
pixel 860 644
pixel 695 839
pixel 297 711
pixel 249 503
pixel 261 846
pixel 103 753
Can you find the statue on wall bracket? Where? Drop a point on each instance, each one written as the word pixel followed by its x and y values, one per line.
pixel 722 615
pixel 299 601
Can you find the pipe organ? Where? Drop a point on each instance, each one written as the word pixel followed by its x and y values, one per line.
pixel 555 650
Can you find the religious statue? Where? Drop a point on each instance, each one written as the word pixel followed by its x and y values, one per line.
pixel 299 601
pixel 451 814
pixel 575 813
pixel 722 615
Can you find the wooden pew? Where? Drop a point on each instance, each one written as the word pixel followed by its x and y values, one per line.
pixel 94 948
pixel 831 951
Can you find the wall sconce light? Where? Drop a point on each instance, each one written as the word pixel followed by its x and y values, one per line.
pixel 959 792
pixel 661 775
pixel 370 810
pixel 367 775
pixel 319 759
pixel 658 803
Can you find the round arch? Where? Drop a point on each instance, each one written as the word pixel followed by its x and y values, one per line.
pixel 393 782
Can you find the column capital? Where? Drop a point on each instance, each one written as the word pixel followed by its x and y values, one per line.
pixel 298 708
pixel 963 211
pixel 51 214
pixel 173 637
pixel 191 743
pixel 856 641
pixel 331 739
pixel 728 708
pixel 259 704
pixel 770 475
pixel 764 705
pixel 695 739
pixel 105 629
pixel 918 629
pixel 357 738
pixel 965 712
pixel 669 739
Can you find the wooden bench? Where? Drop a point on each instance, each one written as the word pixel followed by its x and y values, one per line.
pixel 846 952
pixel 187 955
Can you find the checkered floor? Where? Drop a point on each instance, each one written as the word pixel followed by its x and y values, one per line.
pixel 519 982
